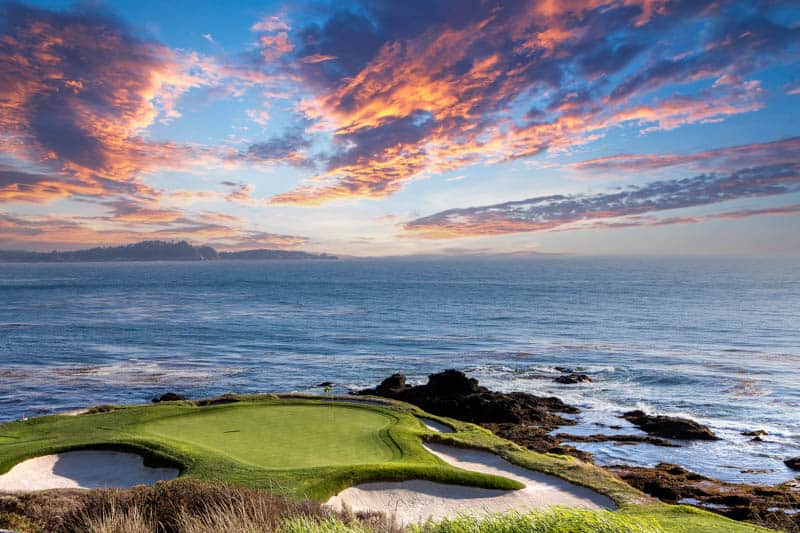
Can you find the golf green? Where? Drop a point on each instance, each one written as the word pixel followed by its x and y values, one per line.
pixel 285 436
pixel 299 447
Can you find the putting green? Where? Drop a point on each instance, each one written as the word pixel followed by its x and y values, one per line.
pixel 285 436
pixel 299 447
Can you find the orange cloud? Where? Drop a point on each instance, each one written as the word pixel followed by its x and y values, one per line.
pixel 77 94
pixel 274 46
pixel 445 96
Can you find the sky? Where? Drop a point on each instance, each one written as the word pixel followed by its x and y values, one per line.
pixel 389 127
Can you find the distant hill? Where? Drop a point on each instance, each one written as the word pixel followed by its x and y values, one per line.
pixel 152 251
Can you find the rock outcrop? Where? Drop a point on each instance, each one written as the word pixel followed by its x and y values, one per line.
pixel 451 393
pixel 169 397
pixel 669 427
pixel 793 463
pixel 573 379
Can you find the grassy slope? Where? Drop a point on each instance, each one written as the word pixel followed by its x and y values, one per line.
pixel 389 435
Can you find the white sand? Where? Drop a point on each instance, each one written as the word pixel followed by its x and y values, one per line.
pixel 413 502
pixel 88 469
pixel 435 426
pixel 74 412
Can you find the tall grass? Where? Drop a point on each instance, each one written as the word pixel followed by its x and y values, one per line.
pixel 117 520
pixel 181 506
pixel 306 524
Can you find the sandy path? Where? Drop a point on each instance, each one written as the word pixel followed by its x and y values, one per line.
pixel 87 469
pixel 415 501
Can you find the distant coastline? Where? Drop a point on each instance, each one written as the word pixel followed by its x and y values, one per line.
pixel 154 251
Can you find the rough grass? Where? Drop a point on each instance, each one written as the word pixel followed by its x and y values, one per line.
pixel 550 521
pixel 686 519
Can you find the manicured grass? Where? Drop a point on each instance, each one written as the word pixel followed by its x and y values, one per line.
pixel 285 436
pixel 300 448
pixel 311 448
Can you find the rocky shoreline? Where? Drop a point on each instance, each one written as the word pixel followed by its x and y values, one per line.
pixel 529 421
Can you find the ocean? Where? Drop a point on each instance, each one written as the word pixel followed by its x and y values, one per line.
pixel 714 339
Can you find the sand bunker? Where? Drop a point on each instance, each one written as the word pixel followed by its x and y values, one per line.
pixel 438 427
pixel 416 501
pixel 88 469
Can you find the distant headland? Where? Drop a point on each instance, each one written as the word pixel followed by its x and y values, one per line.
pixel 153 251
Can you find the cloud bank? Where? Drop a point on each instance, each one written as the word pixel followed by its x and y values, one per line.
pixel 571 211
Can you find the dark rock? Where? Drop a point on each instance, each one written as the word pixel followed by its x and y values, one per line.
pixel 793 463
pixel 169 397
pixel 453 383
pixel 325 384
pixel 451 393
pixel 393 385
pixel 669 427
pixel 756 439
pixel 756 433
pixel 565 369
pixel 572 379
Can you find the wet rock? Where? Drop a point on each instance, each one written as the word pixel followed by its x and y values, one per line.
pixel 793 463
pixel 564 369
pixel 755 433
pixel 764 505
pixel 669 427
pixel 169 397
pixel 325 384
pixel 573 379
pixel 627 439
